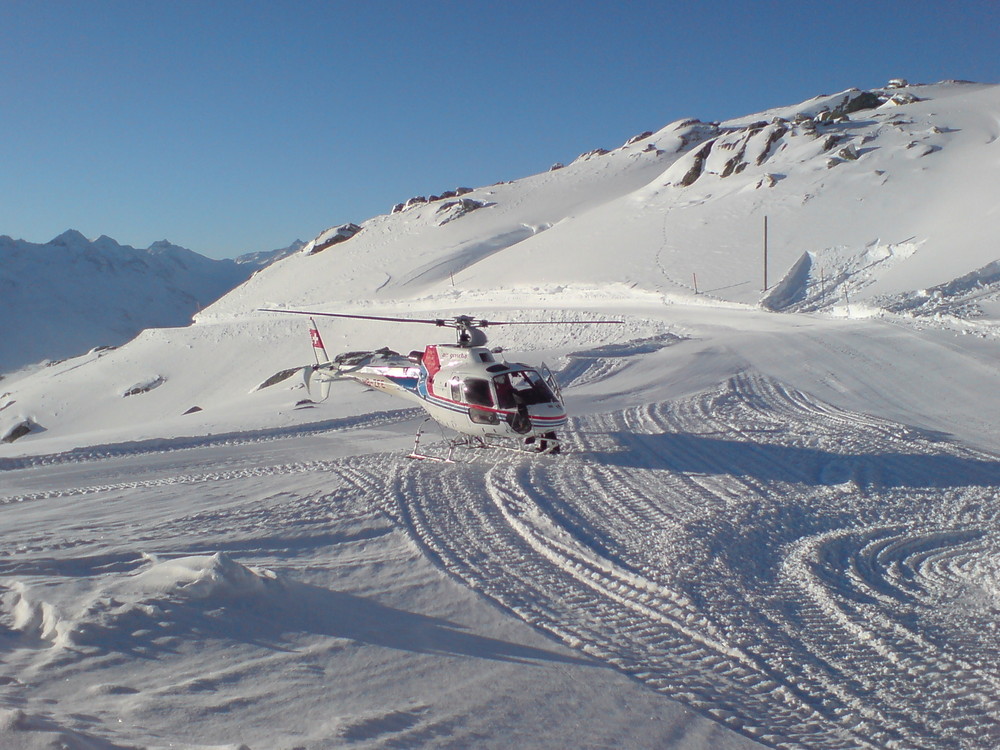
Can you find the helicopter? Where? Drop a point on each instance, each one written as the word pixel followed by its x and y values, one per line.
pixel 489 402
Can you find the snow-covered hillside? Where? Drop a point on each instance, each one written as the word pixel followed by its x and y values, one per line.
pixel 775 523
pixel 73 294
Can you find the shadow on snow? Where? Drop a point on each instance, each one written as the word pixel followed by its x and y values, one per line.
pixel 768 462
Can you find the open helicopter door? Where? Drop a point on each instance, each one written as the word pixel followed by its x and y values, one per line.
pixel 550 380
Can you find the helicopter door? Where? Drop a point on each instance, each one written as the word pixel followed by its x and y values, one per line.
pixel 477 393
pixel 551 381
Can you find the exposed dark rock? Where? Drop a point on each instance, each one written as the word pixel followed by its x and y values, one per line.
pixel 144 387
pixel 776 133
pixel 193 410
pixel 848 152
pixel 637 138
pixel 341 234
pixel 18 431
pixel 420 199
pixel 557 165
pixel 414 201
pixel 459 208
pixel 851 104
pixel 831 141
pixel 698 131
pixel 734 165
pixel 697 165
pixel 591 154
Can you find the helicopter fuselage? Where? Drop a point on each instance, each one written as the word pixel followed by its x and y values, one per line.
pixel 465 388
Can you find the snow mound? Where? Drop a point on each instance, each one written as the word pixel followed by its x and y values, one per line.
pixel 36 618
pixel 215 577
pixel 207 594
pixel 22 731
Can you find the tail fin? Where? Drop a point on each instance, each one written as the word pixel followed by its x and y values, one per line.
pixel 317 342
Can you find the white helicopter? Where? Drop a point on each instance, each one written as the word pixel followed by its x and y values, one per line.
pixel 463 386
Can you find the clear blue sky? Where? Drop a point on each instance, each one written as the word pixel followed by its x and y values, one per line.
pixel 230 127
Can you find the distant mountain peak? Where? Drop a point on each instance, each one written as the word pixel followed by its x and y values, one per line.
pixel 69 238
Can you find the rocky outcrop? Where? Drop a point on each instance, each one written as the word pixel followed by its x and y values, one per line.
pixel 419 200
pixel 586 156
pixel 456 209
pixel 636 138
pixel 728 151
pixel 697 166
pixel 332 237
pixel 856 103
pixel 144 386
pixel 19 429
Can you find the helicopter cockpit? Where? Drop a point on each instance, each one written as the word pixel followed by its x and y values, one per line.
pixel 519 387
pixel 508 390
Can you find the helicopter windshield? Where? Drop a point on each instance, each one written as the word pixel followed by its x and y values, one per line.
pixel 522 387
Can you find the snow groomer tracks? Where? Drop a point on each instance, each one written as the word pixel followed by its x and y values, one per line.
pixel 807 576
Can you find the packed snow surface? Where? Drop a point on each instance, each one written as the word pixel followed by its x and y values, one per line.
pixel 774 522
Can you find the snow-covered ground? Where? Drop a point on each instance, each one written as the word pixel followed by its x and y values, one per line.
pixel 774 523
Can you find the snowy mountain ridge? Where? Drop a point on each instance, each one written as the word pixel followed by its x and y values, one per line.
pixel 70 294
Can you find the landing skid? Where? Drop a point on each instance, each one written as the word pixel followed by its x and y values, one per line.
pixel 417 455
pixel 547 444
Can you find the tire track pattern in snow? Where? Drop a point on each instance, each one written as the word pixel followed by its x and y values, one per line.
pixel 807 576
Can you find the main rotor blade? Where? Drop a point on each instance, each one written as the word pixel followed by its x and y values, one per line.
pixel 436 322
pixel 444 322
pixel 542 322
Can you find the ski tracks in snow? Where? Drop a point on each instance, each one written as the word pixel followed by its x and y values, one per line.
pixel 807 576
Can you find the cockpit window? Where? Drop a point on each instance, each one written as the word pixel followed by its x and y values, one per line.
pixel 522 387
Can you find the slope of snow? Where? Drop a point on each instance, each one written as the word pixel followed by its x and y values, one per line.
pixel 775 523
